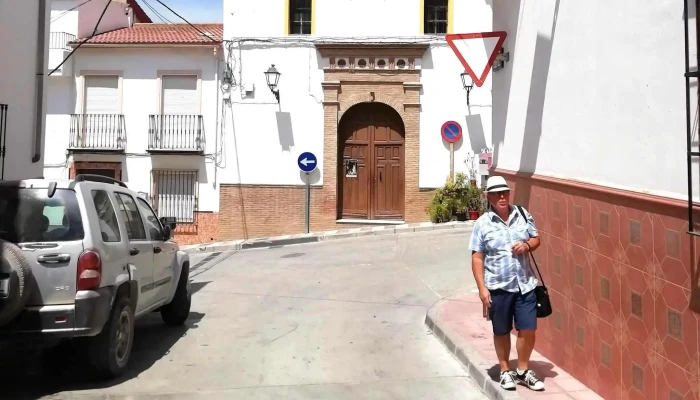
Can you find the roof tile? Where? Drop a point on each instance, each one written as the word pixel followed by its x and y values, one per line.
pixel 150 33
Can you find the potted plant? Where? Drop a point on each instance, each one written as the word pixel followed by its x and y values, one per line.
pixel 460 189
pixel 475 202
pixel 472 170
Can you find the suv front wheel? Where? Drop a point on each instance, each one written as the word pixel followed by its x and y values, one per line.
pixel 111 349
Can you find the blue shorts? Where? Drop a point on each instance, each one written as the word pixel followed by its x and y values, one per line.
pixel 509 306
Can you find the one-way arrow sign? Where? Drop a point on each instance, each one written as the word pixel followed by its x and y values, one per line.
pixel 307 162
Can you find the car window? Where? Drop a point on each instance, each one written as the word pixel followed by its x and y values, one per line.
pixel 30 215
pixel 130 212
pixel 152 223
pixel 109 226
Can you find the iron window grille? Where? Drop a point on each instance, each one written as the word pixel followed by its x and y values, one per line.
pixel 176 132
pixel 3 137
pixel 60 40
pixel 435 17
pixel 300 17
pixel 175 193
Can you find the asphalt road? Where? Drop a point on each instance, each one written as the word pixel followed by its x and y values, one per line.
pixel 333 320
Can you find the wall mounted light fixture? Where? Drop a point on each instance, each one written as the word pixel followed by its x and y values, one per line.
pixel 467 83
pixel 273 77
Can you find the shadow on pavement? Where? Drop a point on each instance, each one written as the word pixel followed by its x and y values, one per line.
pixel 543 370
pixel 197 286
pixel 33 374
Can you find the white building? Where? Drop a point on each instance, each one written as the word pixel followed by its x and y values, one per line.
pixel 24 37
pixel 366 87
pixel 139 103
pixel 590 128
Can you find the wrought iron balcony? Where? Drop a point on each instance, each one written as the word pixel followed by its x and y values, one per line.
pixel 60 40
pixel 4 108
pixel 172 133
pixel 97 132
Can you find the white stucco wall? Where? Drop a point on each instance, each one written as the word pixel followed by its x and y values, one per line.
pixel 139 68
pixel 18 56
pixel 259 151
pixel 63 20
pixel 595 92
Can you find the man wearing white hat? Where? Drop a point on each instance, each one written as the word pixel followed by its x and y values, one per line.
pixel 500 243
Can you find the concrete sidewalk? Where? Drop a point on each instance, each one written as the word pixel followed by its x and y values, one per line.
pixel 459 324
pixel 322 236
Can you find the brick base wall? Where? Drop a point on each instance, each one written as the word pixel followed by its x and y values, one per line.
pixel 206 230
pixel 253 211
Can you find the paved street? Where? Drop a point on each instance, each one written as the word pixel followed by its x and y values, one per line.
pixel 332 320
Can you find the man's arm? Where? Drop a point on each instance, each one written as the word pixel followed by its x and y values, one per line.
pixel 478 269
pixel 534 242
pixel 477 247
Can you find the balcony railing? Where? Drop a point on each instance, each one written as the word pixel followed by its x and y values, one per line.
pixel 176 133
pixel 60 40
pixel 3 137
pixel 103 132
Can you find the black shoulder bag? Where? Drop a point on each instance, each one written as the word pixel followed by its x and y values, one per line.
pixel 544 305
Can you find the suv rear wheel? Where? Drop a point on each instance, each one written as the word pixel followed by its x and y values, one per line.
pixel 15 277
pixel 177 312
pixel 111 349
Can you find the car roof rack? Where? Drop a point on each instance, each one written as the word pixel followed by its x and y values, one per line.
pixel 98 178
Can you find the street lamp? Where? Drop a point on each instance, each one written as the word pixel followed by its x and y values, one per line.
pixel 273 77
pixel 467 83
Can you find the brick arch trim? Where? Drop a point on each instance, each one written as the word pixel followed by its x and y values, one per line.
pixel 366 98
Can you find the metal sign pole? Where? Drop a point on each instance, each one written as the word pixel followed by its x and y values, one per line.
pixel 307 201
pixel 452 162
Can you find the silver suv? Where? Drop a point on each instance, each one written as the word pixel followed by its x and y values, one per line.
pixel 86 258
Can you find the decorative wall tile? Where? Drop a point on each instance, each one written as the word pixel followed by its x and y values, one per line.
pixel 604 223
pixel 557 264
pixel 636 305
pixel 605 354
pixel 672 383
pixel 673 245
pixel 578 216
pixel 637 302
pixel 635 233
pixel 605 288
pixel 636 238
pixel 606 227
pixel 672 250
pixel 578 275
pixel 580 336
pixel 556 212
pixel 638 377
pixel 676 326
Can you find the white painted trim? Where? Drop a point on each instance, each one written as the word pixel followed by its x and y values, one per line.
pixel 82 92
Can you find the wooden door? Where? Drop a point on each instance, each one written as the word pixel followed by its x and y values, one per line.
pixel 371 171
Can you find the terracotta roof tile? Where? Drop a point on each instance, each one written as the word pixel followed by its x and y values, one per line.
pixel 150 33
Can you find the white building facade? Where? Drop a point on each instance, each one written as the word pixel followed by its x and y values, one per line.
pixel 24 54
pixel 590 129
pixel 365 86
pixel 139 104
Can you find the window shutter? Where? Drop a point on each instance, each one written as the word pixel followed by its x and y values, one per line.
pixel 102 95
pixel 180 95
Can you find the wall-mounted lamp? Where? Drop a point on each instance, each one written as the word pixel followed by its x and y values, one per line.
pixel 467 83
pixel 273 77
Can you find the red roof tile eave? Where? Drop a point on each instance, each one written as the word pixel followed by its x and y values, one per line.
pixel 149 44
pixel 139 12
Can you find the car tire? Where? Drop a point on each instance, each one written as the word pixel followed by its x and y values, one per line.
pixel 15 281
pixel 110 350
pixel 178 310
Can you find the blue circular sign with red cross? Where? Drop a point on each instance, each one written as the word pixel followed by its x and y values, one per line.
pixel 451 131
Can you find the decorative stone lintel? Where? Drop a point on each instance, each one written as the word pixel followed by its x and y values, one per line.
pixel 331 103
pixel 330 84
pixel 406 105
pixel 412 85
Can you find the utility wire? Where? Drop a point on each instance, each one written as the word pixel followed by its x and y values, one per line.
pixel 69 10
pixel 157 13
pixel 188 22
pixel 94 32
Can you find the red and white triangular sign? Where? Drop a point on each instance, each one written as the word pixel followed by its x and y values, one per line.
pixel 477 51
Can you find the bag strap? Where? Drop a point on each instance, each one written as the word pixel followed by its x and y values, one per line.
pixel 522 213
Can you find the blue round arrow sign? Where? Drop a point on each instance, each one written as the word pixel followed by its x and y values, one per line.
pixel 307 161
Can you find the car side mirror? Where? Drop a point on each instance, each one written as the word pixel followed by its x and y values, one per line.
pixel 167 233
pixel 169 221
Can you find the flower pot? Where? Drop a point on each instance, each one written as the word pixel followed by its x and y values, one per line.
pixel 473 215
pixel 472 182
pixel 461 216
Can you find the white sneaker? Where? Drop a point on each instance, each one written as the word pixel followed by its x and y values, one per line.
pixel 507 381
pixel 529 379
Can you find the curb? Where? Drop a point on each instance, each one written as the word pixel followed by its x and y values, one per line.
pixel 278 241
pixel 473 362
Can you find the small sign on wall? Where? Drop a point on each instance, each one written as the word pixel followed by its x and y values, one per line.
pixel 351 168
pixel 485 161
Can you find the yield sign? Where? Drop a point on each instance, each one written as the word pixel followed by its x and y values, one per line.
pixel 477 51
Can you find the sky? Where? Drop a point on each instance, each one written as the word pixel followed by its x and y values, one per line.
pixel 192 10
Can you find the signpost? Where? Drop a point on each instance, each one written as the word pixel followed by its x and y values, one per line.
pixel 451 132
pixel 481 49
pixel 307 163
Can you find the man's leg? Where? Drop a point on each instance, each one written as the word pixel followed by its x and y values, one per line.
pixel 526 324
pixel 502 307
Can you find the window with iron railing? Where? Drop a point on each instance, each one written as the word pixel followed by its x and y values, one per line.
pixel 174 193
pixel 300 17
pixel 176 132
pixel 97 131
pixel 435 17
pixel 60 40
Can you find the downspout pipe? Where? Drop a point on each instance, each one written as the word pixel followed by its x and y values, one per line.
pixel 39 83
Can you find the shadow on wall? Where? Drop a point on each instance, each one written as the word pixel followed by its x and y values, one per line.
pixel 535 107
pixel 284 130
pixel 475 130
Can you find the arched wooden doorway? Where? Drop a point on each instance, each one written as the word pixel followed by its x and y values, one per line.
pixel 371 163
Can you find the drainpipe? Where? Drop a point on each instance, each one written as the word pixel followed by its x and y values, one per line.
pixel 690 153
pixel 218 109
pixel 39 83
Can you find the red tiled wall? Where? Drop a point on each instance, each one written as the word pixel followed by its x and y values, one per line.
pixel 621 270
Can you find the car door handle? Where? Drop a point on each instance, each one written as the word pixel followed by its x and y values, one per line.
pixel 157 250
pixel 133 252
pixel 53 258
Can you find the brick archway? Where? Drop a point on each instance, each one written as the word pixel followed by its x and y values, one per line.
pixel 389 100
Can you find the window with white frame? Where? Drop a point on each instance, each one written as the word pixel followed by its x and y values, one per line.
pixel 300 17
pixel 174 194
pixel 102 94
pixel 180 94
pixel 435 17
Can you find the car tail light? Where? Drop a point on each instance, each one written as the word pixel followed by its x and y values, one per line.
pixel 89 270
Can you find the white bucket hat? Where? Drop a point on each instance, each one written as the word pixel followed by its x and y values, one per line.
pixel 496 184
